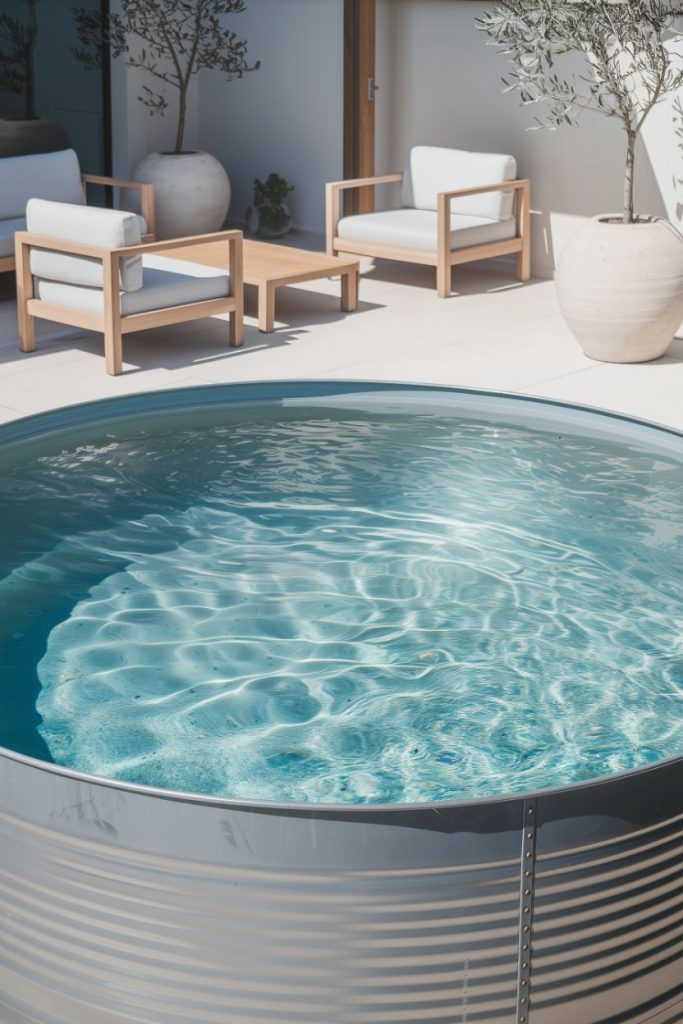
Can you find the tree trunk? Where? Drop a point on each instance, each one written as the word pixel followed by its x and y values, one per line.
pixel 628 177
pixel 30 95
pixel 182 105
pixel 32 35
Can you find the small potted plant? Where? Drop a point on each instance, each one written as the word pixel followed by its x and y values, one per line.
pixel 620 277
pixel 268 216
pixel 173 40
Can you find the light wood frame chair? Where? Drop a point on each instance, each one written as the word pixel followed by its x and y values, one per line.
pixel 146 191
pixel 112 324
pixel 443 258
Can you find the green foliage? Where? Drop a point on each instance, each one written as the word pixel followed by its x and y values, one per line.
pixel 17 73
pixel 271 192
pixel 632 51
pixel 269 197
pixel 170 39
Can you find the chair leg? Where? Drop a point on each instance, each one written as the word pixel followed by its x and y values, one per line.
pixel 27 330
pixel 524 232
pixel 524 262
pixel 113 351
pixel 24 279
pixel 443 279
pixel 113 343
pixel 236 328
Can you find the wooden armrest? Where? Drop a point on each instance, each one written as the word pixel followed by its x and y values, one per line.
pixel 501 186
pixel 61 245
pixel 333 201
pixel 382 179
pixel 145 188
pixel 233 236
pixel 99 179
pixel 100 252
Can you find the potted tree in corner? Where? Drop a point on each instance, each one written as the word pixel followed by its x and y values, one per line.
pixel 25 131
pixel 620 277
pixel 172 40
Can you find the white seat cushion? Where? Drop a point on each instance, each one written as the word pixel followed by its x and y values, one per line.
pixel 432 169
pixel 416 229
pixel 7 229
pixel 111 229
pixel 166 282
pixel 55 176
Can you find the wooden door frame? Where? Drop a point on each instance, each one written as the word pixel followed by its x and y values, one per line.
pixel 359 102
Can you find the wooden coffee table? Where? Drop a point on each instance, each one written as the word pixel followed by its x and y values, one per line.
pixel 269 267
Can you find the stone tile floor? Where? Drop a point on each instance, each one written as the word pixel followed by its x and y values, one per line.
pixel 492 333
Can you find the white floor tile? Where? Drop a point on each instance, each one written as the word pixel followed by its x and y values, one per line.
pixel 492 333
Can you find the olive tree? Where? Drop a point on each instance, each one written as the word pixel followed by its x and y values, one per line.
pixel 632 61
pixel 172 40
pixel 18 39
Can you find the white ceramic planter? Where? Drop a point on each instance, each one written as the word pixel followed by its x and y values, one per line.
pixel 620 288
pixel 192 192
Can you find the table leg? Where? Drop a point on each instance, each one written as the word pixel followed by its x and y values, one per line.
pixel 349 295
pixel 266 307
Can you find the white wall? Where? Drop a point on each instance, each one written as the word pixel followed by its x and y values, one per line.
pixel 287 116
pixel 439 83
pixel 135 132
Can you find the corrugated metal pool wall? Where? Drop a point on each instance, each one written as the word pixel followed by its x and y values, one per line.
pixel 120 905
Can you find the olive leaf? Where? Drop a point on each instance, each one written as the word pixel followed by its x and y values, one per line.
pixel 633 59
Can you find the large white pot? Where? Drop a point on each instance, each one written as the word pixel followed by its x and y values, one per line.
pixel 192 192
pixel 620 287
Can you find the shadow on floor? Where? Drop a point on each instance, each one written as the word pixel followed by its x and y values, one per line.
pixel 193 344
pixel 473 279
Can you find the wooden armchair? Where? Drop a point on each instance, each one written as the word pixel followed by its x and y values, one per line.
pixel 87 267
pixel 457 207
pixel 55 176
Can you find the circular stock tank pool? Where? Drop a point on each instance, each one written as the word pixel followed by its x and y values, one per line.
pixel 340 703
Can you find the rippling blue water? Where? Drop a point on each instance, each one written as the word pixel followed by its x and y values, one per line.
pixel 342 607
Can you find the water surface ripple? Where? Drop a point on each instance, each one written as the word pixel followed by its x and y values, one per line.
pixel 349 608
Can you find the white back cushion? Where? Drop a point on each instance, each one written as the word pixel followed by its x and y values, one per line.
pixel 39 176
pixel 431 169
pixel 111 229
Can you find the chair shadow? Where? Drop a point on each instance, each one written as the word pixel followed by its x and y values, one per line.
pixel 197 343
pixel 470 279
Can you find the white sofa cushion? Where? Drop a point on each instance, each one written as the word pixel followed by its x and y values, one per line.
pixel 111 229
pixel 54 176
pixel 416 229
pixel 7 230
pixel 166 282
pixel 432 169
pixel 9 227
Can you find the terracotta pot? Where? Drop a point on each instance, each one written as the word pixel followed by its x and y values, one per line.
pixel 620 288
pixel 36 135
pixel 192 192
